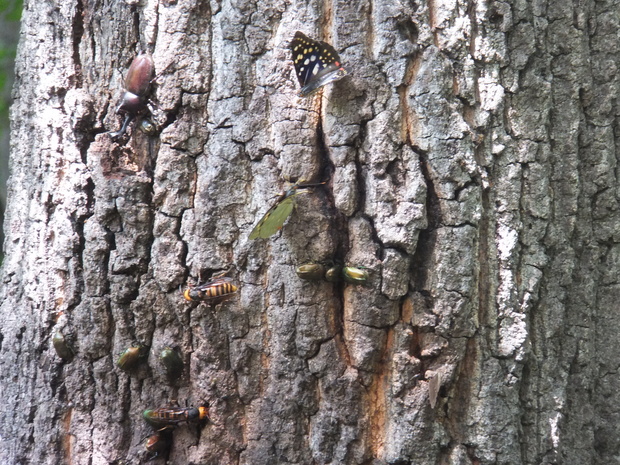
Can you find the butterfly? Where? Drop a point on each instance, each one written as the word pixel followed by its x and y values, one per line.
pixel 275 217
pixel 316 63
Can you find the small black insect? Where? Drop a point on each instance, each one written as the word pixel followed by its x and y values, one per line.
pixel 316 63
pixel 147 127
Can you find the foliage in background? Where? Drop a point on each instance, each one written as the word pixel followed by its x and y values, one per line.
pixel 10 15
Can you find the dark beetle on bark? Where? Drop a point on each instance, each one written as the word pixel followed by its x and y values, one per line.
pixel 172 361
pixel 131 357
pixel 137 86
pixel 310 271
pixel 158 444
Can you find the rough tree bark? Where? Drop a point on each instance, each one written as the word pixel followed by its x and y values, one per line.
pixel 471 163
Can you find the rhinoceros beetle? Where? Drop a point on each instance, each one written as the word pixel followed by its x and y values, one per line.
pixel 137 87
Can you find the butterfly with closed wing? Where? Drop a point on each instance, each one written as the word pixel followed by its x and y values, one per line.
pixel 275 217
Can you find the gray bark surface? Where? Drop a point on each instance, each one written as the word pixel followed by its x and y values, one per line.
pixel 471 163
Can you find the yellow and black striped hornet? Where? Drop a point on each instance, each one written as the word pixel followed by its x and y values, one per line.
pixel 165 417
pixel 213 292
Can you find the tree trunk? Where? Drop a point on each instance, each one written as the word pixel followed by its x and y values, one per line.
pixel 470 167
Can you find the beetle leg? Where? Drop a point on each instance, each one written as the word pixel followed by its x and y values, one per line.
pixel 121 132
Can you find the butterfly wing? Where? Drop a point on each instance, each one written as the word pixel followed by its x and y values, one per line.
pixel 275 217
pixel 302 47
pixel 330 74
pixel 316 63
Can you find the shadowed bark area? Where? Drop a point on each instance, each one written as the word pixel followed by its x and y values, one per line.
pixel 469 162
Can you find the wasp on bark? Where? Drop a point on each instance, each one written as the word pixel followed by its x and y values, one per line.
pixel 173 415
pixel 214 291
